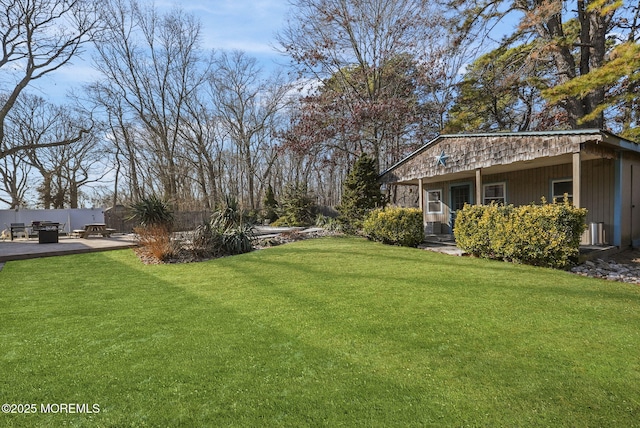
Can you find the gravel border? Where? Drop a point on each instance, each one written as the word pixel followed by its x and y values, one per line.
pixel 621 267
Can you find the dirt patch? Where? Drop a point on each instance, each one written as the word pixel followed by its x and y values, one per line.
pixel 627 257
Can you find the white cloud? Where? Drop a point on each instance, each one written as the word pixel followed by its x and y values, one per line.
pixel 247 25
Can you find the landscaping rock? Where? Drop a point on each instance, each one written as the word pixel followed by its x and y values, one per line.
pixel 610 270
pixel 291 236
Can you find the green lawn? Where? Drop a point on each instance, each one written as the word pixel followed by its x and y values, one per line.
pixel 327 332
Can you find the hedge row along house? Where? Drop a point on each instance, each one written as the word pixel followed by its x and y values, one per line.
pixel 598 170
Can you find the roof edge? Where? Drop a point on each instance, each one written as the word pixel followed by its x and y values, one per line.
pixel 586 131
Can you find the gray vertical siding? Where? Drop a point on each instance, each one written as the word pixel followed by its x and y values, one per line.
pixel 443 218
pixel 530 185
pixel 630 195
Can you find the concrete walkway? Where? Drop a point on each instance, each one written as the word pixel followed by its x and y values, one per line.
pixel 21 249
pixel 439 247
pixel 446 244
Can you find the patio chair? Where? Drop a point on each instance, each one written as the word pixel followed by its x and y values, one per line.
pixel 19 228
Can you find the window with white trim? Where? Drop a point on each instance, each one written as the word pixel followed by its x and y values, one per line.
pixel 494 192
pixel 434 201
pixel 560 187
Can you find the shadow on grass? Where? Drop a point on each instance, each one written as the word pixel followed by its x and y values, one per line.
pixel 150 352
pixel 299 335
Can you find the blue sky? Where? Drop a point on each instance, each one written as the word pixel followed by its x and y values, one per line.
pixel 246 25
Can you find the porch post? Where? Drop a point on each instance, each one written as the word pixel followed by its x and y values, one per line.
pixel 478 186
pixel 577 172
pixel 617 202
pixel 421 200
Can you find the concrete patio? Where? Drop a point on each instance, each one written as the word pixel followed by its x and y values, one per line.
pixel 21 249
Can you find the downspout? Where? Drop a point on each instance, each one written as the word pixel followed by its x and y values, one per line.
pixel 421 202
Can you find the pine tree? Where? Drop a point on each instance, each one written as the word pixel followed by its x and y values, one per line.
pixel 270 205
pixel 360 192
pixel 297 205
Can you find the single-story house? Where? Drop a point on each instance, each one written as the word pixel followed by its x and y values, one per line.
pixel 598 170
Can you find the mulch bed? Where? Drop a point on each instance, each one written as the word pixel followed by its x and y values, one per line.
pixel 184 255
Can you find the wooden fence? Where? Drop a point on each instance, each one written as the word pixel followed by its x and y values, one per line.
pixel 118 218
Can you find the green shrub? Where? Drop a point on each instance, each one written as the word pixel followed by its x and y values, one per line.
pixel 328 223
pixel 228 232
pixel 270 205
pixel 152 211
pixel 395 226
pixel 280 222
pixel 207 242
pixel 230 214
pixel 476 228
pixel 360 193
pixel 297 206
pixel 541 235
pixel 237 240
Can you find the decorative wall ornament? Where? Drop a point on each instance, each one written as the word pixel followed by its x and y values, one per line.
pixel 441 159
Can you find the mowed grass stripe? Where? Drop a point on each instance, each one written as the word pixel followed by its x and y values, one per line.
pixel 334 332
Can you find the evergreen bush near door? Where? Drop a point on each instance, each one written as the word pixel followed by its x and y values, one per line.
pixel 395 226
pixel 541 235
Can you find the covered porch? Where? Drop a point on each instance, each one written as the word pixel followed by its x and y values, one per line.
pixel 594 168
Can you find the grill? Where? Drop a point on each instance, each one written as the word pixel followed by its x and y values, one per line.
pixel 47 232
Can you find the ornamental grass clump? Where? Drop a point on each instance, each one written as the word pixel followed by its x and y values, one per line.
pixel 152 211
pixel 540 235
pixel 156 223
pixel 156 241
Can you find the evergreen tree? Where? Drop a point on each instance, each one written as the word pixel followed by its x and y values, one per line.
pixel 270 205
pixel 576 40
pixel 297 206
pixel 500 91
pixel 360 192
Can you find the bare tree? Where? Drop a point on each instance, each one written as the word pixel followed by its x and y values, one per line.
pixel 369 56
pixel 119 131
pixel 36 126
pixel 35 123
pixel 154 65
pixel 38 37
pixel 248 108
pixel 202 134
pixel 84 163
pixel 14 179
